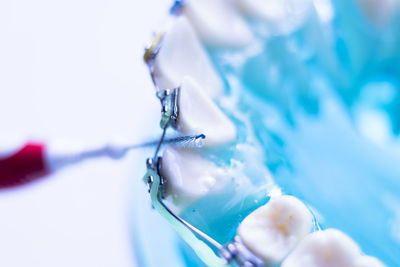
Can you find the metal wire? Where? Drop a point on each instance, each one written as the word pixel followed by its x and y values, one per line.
pixel 205 237
pixel 159 144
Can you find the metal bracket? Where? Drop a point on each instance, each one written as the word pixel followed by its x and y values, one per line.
pixel 169 107
pixel 153 170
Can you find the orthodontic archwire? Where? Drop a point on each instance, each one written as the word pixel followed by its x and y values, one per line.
pixel 208 249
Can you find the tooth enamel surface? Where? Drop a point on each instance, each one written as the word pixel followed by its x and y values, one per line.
pixel 189 176
pixel 274 229
pixel 329 248
pixel 367 261
pixel 182 54
pixel 285 15
pixel 199 114
pixel 218 23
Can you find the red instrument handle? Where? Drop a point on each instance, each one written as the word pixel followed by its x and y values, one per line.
pixel 24 166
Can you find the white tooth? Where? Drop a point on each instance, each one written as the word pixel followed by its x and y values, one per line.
pixel 274 229
pixel 189 176
pixel 199 114
pixel 218 23
pixel 329 248
pixel 182 54
pixel 368 261
pixel 283 15
pixel 380 12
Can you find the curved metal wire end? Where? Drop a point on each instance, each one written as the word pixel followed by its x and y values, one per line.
pixel 151 51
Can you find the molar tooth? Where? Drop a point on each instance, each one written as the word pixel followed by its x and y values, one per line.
pixel 218 23
pixel 368 261
pixel 189 176
pixel 274 229
pixel 181 54
pixel 199 114
pixel 329 248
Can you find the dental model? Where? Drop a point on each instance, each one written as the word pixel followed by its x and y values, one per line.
pixel 263 238
pixel 181 54
pixel 197 113
pixel 218 23
pixel 328 248
pixel 274 229
pixel 275 233
pixel 189 176
pixel 283 16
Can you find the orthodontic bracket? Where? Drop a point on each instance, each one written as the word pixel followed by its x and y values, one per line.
pixel 169 107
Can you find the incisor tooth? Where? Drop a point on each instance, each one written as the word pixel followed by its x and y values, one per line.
pixel 199 114
pixel 189 176
pixel 329 248
pixel 218 23
pixel 181 54
pixel 274 229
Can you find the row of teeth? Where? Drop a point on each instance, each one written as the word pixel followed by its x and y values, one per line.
pixel 279 231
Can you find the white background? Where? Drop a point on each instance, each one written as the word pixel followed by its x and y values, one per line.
pixel 73 70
